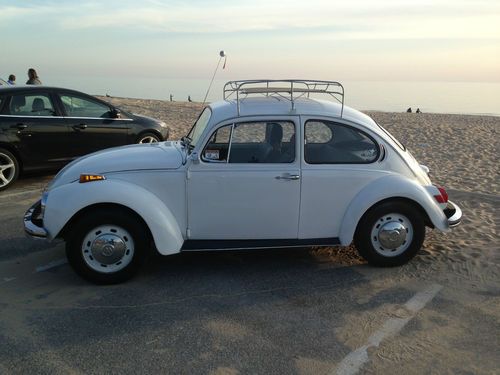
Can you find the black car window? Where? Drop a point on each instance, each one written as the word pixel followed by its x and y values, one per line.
pixel 77 106
pixel 31 105
pixel 331 143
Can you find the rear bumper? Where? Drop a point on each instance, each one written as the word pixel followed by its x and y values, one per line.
pixel 453 214
pixel 33 225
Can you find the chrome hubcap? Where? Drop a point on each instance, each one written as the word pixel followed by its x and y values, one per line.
pixel 148 139
pixel 392 234
pixel 7 169
pixel 108 248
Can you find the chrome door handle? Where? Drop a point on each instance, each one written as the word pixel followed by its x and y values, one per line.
pixel 80 127
pixel 288 176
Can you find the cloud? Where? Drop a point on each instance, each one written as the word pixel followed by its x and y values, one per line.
pixel 321 19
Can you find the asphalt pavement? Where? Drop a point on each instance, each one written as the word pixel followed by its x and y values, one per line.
pixel 262 312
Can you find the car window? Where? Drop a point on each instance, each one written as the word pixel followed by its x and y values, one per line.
pixel 217 148
pixel 253 142
pixel 77 106
pixel 31 105
pixel 331 143
pixel 318 132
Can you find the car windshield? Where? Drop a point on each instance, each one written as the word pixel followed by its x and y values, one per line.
pixel 199 127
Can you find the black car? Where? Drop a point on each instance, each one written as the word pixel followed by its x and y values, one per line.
pixel 43 128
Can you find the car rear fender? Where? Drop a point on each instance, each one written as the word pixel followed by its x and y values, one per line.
pixel 386 188
pixel 66 201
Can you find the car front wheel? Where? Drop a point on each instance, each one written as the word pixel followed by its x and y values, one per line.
pixel 107 247
pixel 148 138
pixel 9 169
pixel 390 234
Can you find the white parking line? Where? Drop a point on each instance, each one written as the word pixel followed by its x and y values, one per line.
pixel 355 360
pixel 53 264
pixel 10 195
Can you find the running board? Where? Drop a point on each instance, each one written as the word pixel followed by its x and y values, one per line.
pixel 199 245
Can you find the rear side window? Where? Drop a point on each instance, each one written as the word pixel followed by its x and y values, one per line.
pixel 31 105
pixel 331 143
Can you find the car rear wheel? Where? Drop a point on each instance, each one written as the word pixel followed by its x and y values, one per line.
pixel 148 138
pixel 9 169
pixel 390 234
pixel 107 247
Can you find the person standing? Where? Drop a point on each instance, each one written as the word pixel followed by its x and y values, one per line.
pixel 33 77
pixel 12 79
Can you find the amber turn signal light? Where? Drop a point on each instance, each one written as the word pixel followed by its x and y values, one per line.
pixel 91 177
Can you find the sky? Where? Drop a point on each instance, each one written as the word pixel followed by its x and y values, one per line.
pixel 355 40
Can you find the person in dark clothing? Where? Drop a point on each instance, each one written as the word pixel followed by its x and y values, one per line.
pixel 418 110
pixel 408 110
pixel 189 99
pixel 33 77
pixel 12 79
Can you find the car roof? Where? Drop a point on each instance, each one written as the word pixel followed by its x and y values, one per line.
pixel 273 105
pixel 35 88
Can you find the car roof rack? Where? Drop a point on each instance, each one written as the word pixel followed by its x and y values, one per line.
pixel 289 89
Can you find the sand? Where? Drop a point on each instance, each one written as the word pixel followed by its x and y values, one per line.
pixel 461 152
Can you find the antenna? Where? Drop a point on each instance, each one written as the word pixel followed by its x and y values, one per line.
pixel 221 55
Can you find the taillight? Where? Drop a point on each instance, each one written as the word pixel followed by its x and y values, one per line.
pixel 443 195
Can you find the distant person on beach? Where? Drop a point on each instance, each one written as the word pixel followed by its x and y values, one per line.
pixel 189 99
pixel 12 79
pixel 33 77
pixel 171 98
pixel 418 110
pixel 408 110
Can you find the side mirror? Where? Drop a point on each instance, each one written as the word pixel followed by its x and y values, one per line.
pixel 194 158
pixel 115 113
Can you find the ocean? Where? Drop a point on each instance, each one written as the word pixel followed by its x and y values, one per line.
pixel 477 98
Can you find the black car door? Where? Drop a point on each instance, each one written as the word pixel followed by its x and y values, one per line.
pixel 37 129
pixel 92 124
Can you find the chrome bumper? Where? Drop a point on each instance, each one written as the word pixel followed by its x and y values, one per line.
pixel 453 213
pixel 33 226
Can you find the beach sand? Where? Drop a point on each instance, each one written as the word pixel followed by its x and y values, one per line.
pixel 461 152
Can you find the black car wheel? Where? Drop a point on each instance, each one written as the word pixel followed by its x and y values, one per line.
pixel 148 138
pixel 390 234
pixel 107 246
pixel 9 169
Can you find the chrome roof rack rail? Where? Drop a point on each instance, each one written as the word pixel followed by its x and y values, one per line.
pixel 289 89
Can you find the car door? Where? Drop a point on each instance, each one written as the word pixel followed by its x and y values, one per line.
pixel 37 129
pixel 246 183
pixel 91 123
pixel 339 161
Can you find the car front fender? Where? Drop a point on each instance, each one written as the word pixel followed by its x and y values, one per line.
pixel 67 200
pixel 390 187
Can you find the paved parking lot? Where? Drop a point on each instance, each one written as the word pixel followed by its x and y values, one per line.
pixel 279 312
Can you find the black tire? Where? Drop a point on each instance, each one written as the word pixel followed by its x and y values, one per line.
pixel 370 225
pixel 124 224
pixel 9 169
pixel 148 137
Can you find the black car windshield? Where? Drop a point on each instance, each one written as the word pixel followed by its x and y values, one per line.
pixel 199 127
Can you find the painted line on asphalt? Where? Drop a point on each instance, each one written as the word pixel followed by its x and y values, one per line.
pixel 10 195
pixel 53 264
pixel 355 360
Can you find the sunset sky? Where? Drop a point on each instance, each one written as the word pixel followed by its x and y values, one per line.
pixel 448 40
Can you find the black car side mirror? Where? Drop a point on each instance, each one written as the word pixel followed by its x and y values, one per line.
pixel 115 113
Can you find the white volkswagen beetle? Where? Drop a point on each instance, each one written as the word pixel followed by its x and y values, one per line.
pixel 269 166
